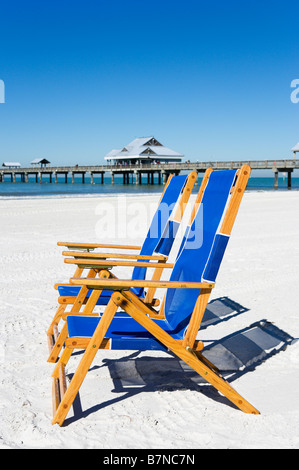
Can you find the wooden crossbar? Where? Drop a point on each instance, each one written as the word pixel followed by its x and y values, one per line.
pixel 110 263
pixel 80 254
pixel 118 284
pixel 93 246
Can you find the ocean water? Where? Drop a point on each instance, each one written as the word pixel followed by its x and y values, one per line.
pixel 47 189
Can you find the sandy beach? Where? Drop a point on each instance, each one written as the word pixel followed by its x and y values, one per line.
pixel 133 400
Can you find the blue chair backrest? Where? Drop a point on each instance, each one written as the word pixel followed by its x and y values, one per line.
pixel 162 231
pixel 201 250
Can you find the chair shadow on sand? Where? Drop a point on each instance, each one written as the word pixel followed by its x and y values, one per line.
pixel 234 355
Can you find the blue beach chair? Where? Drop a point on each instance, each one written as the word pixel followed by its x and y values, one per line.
pixel 187 294
pixel 153 254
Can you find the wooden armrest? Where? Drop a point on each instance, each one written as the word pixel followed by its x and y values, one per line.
pixel 119 284
pixel 80 254
pixel 61 284
pixel 90 263
pixel 93 246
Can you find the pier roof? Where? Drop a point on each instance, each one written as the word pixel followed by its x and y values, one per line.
pixel 37 161
pixel 11 164
pixel 144 147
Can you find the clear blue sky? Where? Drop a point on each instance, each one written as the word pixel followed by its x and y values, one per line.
pixel 210 79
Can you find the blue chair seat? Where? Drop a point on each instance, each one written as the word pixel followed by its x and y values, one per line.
pixel 124 331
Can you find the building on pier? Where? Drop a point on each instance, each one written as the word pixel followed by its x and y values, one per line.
pixel 143 150
pixel 11 165
pixel 42 162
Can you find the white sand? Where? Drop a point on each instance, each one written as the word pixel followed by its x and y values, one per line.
pixel 259 272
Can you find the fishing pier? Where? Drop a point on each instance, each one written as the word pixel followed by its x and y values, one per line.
pixel 133 173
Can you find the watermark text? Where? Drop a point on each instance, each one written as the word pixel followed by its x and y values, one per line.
pixel 295 93
pixel 125 219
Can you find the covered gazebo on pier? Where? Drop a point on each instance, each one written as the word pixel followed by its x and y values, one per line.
pixel 143 150
pixel 42 162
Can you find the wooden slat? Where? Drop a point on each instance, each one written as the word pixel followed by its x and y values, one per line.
pixel 124 283
pixel 82 343
pixel 151 291
pixel 71 300
pixel 56 318
pixel 55 332
pixel 58 344
pixel 62 361
pixel 196 318
pixel 67 300
pixel 62 381
pixel 80 254
pixel 98 245
pixel 235 200
pixel 63 283
pixel 50 340
pixel 200 194
pixel 185 196
pixel 55 394
pixel 109 264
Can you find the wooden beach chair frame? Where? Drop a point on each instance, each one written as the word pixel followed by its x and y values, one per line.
pixel 98 264
pixel 189 349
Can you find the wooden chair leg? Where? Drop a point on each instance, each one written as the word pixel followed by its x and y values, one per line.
pixel 54 353
pixel 59 379
pixel 85 363
pixel 52 332
pixel 56 318
pixel 196 319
